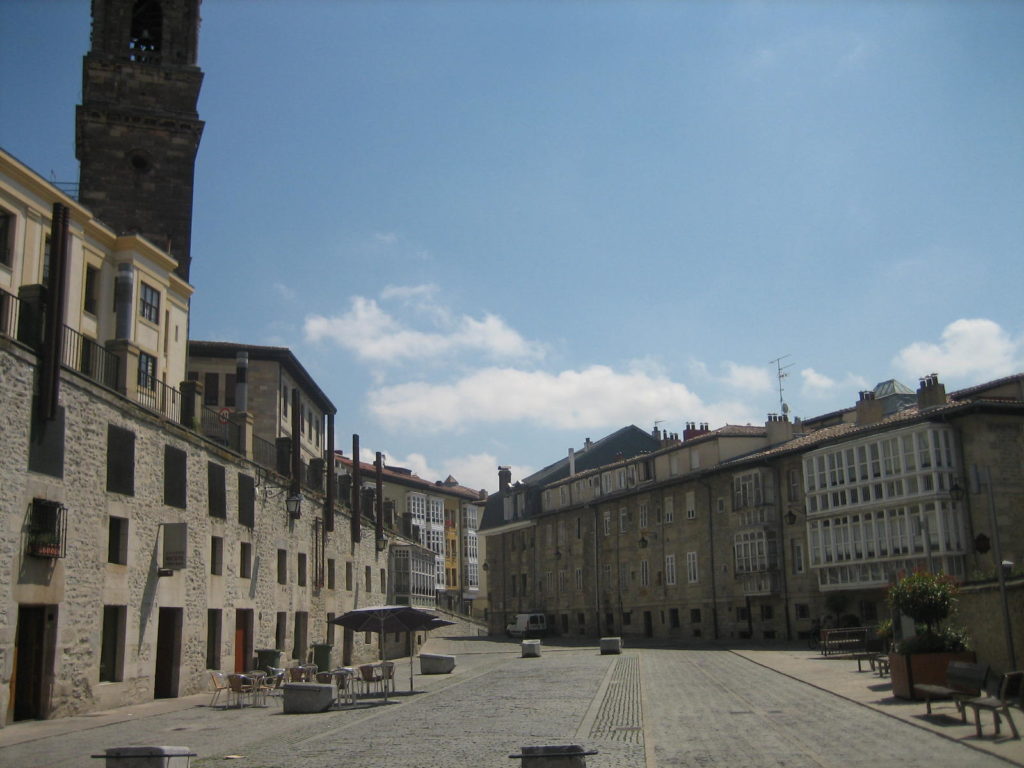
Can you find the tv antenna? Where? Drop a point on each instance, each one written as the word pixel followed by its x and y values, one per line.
pixel 780 373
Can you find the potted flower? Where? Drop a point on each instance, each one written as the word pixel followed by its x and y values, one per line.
pixel 927 598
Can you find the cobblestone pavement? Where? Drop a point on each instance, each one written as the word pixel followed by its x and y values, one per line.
pixel 646 708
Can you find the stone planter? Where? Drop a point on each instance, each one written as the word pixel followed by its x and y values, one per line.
pixel 436 664
pixel 909 669
pixel 304 698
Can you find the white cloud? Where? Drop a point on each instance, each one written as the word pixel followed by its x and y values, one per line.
pixel 286 293
pixel 819 386
pixel 747 378
pixel 591 398
pixel 969 348
pixel 385 238
pixel 377 336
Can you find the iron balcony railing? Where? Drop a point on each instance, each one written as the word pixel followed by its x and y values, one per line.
pixel 10 308
pixel 84 355
pixel 264 452
pixel 157 396
pixel 217 426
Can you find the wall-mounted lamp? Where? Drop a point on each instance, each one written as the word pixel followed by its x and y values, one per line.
pixel 294 506
pixel 642 543
pixel 790 517
pixel 558 554
pixel 486 566
pixel 956 493
pixel 382 543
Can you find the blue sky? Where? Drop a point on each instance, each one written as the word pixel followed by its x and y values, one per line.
pixel 492 229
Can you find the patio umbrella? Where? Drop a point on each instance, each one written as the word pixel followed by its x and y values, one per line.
pixel 388 618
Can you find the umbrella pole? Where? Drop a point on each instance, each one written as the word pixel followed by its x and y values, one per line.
pixel 383 657
pixel 409 642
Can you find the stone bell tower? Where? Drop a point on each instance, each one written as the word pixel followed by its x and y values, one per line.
pixel 137 130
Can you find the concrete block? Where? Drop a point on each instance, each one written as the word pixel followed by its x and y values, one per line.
pixel 531 648
pixel 436 664
pixel 611 645
pixel 302 698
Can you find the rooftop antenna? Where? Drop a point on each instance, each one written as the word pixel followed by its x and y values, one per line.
pixel 780 373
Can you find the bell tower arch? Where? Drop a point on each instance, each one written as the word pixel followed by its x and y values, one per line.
pixel 137 130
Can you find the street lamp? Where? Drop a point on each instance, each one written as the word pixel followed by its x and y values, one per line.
pixel 642 543
pixel 294 506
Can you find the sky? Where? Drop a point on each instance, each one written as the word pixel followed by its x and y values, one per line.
pixel 490 230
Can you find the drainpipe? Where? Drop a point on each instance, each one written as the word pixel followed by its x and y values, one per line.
pixel 711 554
pixel 782 553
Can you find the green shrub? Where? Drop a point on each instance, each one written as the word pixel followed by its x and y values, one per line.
pixel 928 598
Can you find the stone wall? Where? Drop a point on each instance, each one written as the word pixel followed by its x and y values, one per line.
pixel 80 584
pixel 980 609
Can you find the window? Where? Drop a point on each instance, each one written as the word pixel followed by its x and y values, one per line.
pixel 302 569
pixel 213 635
pixel 90 292
pixel 802 610
pixel 670 570
pixel 691 505
pixel 46 438
pixel 175 483
pixel 215 490
pixel 642 515
pixel 282 566
pixel 301 635
pixel 6 238
pixel 330 573
pixel 645 574
pixel 368 578
pixel 798 556
pixel 229 389
pixel 767 613
pixel 742 613
pixel 579 579
pixel 607 522
pixel 117 540
pixel 673 618
pixel 246 500
pixel 217 555
pixel 147 371
pixel 281 630
pixel 669 515
pixel 47 529
pixel 211 388
pixel 120 460
pixel 245 560
pixel 348 576
pixel 623 575
pixel 284 405
pixel 149 303
pixel 383 581
pixel 720 504
pixel 692 573
pixel 112 644
pixel 623 519
pixel 695 615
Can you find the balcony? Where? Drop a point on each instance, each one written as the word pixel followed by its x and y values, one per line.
pixel 761 583
pixel 46 536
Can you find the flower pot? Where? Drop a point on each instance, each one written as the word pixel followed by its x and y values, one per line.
pixel 909 669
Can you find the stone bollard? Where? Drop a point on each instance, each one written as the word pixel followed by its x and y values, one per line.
pixel 436 663
pixel 304 698
pixel 148 757
pixel 611 645
pixel 531 648
pixel 556 756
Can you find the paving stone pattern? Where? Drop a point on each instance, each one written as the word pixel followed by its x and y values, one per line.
pixel 648 708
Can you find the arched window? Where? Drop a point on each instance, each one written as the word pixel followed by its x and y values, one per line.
pixel 146 32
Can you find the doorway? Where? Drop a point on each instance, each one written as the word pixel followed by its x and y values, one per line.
pixel 33 665
pixel 168 653
pixel 243 640
pixel 648 624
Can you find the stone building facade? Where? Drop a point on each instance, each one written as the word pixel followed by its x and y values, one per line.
pixel 745 533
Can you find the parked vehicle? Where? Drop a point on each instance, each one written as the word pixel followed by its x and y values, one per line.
pixel 527 625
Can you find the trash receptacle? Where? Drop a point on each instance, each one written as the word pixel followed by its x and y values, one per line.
pixel 322 656
pixel 267 658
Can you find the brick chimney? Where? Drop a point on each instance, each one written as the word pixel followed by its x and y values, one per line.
pixel 869 410
pixel 778 429
pixel 931 392
pixel 692 430
pixel 504 478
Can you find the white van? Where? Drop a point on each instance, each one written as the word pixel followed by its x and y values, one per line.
pixel 527 625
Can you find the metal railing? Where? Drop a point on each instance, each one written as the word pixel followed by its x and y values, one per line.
pixel 84 355
pixel 218 427
pixel 157 396
pixel 845 640
pixel 10 309
pixel 264 453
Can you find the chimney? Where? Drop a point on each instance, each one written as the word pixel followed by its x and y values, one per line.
pixel 241 383
pixel 778 429
pixel 869 410
pixel 587 444
pixel 572 462
pixel 656 433
pixel 931 392
pixel 504 478
pixel 692 430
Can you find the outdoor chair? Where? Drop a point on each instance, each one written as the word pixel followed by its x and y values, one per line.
pixel 387 676
pixel 297 675
pixel 241 688
pixel 369 677
pixel 1011 686
pixel 345 680
pixel 220 685
pixel 271 684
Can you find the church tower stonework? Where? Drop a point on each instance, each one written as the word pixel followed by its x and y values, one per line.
pixel 137 130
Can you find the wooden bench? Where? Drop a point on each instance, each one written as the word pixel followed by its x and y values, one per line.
pixel 1011 685
pixel 964 680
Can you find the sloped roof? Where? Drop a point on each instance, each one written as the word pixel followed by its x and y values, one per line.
pixel 402 476
pixel 623 443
